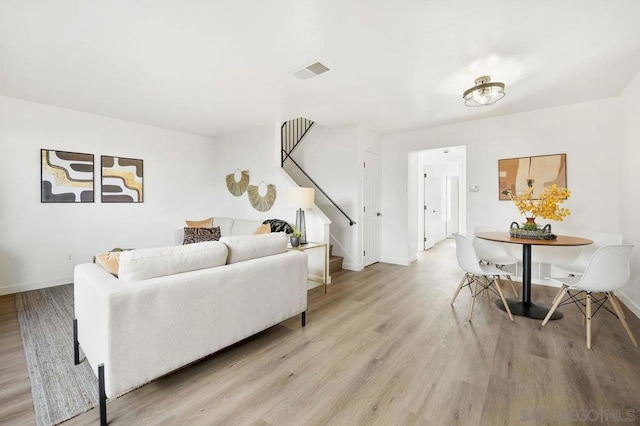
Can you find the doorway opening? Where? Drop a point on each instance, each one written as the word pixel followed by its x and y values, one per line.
pixel 441 200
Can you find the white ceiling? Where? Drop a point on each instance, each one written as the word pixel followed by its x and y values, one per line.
pixel 214 67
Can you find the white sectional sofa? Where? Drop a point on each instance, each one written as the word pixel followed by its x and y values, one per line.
pixel 171 306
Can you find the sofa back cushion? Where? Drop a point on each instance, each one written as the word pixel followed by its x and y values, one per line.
pixel 244 227
pixel 243 248
pixel 136 265
pixel 225 224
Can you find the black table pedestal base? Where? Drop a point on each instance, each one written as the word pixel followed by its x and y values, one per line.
pixel 528 309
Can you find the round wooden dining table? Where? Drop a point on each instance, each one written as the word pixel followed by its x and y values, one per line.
pixel 526 307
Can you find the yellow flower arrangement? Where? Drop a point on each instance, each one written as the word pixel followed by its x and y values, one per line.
pixel 547 207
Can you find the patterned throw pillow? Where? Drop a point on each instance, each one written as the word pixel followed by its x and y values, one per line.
pixel 199 235
pixel 278 225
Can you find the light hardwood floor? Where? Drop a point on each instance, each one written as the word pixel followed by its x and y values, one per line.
pixel 384 347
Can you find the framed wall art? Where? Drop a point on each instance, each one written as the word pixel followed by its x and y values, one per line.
pixel 122 180
pixel 66 177
pixel 516 175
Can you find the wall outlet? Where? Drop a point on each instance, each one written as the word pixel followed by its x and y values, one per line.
pixel 70 257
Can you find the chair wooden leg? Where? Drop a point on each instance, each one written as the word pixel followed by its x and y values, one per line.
pixel 614 299
pixel 589 320
pixel 513 287
pixel 487 283
pixel 455 295
pixel 504 301
pixel 618 309
pixel 556 302
pixel 473 296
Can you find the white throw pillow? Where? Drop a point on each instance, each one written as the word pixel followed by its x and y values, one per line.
pixel 136 265
pixel 247 247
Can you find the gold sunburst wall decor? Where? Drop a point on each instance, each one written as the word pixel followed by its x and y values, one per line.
pixel 262 203
pixel 237 182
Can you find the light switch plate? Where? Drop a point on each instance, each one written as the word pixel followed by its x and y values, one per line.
pixel 474 188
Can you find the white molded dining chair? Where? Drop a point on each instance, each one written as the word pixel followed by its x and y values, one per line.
pixel 579 264
pixel 494 253
pixel 487 276
pixel 607 270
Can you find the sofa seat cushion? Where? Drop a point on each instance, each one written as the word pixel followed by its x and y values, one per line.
pixel 247 247
pixel 136 265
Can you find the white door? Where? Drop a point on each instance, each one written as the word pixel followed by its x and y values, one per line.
pixel 434 223
pixel 452 203
pixel 371 208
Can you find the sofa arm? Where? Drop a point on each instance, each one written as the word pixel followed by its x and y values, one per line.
pixel 92 288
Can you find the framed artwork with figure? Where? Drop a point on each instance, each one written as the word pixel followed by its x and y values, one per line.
pixel 516 175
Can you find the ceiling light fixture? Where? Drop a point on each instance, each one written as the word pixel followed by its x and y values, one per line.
pixel 484 93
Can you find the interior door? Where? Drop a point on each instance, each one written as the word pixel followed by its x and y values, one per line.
pixel 452 203
pixel 432 201
pixel 371 208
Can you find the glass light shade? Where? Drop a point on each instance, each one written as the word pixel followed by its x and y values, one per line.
pixel 484 93
pixel 300 198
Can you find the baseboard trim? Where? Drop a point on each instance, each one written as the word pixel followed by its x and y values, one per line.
pixel 352 266
pixel 18 288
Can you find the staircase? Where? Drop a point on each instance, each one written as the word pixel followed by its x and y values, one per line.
pixel 335 262
pixel 292 133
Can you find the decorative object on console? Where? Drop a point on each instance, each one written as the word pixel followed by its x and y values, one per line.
pixel 546 207
pixel 260 202
pixel 199 235
pixel 204 223
pixel 122 180
pixel 301 198
pixel 484 93
pixel 517 175
pixel 294 238
pixel 66 177
pixel 237 182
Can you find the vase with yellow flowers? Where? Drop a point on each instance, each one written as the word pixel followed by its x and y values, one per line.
pixel 545 207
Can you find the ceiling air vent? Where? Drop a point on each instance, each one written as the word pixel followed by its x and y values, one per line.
pixel 310 71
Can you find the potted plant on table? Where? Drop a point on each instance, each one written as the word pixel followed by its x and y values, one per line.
pixel 295 236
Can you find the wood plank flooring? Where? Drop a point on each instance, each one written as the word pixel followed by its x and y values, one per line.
pixel 384 347
pixel 16 404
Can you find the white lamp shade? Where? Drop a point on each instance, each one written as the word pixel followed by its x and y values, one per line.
pixel 300 198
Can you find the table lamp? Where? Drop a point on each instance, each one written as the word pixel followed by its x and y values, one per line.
pixel 300 198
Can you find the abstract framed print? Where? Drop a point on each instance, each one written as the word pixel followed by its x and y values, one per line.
pixel 66 177
pixel 122 180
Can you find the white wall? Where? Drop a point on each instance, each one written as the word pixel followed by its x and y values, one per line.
pixel 629 201
pixel 36 238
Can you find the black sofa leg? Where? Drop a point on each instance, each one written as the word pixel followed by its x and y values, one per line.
pixel 76 345
pixel 102 396
pixel 304 318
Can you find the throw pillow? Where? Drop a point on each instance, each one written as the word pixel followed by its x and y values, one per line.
pixel 279 225
pixel 262 229
pixel 204 223
pixel 199 235
pixel 109 261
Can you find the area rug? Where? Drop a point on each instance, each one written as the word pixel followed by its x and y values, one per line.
pixel 60 389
